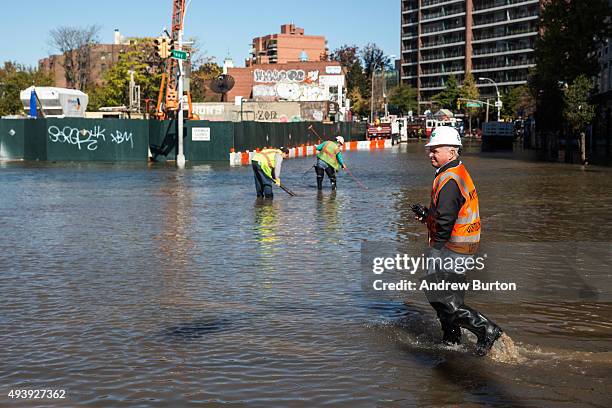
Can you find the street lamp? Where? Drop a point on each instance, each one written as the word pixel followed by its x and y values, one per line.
pixel 498 103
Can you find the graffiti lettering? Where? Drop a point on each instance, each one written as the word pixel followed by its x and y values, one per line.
pixel 122 137
pixel 87 138
pixel 269 75
pixel 266 115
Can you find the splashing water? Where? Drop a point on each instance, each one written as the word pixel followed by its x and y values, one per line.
pixel 505 351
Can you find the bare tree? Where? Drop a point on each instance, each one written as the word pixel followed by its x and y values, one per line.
pixel 74 43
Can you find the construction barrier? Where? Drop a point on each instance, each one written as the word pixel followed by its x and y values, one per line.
pixel 310 150
pixel 119 140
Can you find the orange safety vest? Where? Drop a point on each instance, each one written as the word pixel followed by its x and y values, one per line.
pixel 465 236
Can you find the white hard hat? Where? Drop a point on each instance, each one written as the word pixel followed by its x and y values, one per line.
pixel 444 136
pixel 340 139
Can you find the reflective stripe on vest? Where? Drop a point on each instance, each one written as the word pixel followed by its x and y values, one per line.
pixel 266 159
pixel 328 154
pixel 465 236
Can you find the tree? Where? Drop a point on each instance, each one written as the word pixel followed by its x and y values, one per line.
pixel 14 78
pixel 404 97
pixel 469 91
pixel 348 56
pixel 572 31
pixel 577 111
pixel 359 105
pixel 517 101
pixel 200 82
pixel 448 97
pixel 373 58
pixel 74 44
pixel 147 68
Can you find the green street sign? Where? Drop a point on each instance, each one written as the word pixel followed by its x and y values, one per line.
pixel 182 55
pixel 473 105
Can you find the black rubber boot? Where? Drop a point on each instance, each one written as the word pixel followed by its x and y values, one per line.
pixel 453 313
pixel 485 330
pixel 332 177
pixel 320 174
pixel 484 346
pixel 451 334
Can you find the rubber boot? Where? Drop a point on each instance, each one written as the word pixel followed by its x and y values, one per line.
pixel 483 346
pixel 332 177
pixel 451 333
pixel 485 330
pixel 320 174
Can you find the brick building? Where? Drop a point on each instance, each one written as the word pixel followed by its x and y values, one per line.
pixel 291 81
pixel 101 57
pixel 288 46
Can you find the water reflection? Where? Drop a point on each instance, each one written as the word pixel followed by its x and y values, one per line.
pixel 328 221
pixel 175 242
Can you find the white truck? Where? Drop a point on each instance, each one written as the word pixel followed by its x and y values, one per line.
pixel 56 102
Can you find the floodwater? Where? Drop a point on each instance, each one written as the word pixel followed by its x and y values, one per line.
pixel 142 285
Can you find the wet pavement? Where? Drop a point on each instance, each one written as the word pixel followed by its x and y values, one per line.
pixel 141 285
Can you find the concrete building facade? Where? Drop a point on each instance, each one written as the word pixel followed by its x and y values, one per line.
pixel 289 46
pixel 489 38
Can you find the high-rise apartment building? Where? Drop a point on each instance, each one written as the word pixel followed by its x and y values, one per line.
pixel 290 45
pixel 492 39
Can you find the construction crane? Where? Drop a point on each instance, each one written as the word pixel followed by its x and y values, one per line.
pixel 168 107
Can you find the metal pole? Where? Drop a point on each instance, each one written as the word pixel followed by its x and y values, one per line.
pixel 180 157
pixel 487 114
pixel 384 91
pixel 498 101
pixel 372 95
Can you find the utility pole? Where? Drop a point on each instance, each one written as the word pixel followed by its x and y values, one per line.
pixel 372 95
pixel 487 114
pixel 180 156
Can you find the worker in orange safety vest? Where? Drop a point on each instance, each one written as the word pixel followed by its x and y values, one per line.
pixel 453 224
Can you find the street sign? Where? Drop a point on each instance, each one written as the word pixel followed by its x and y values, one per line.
pixel 181 55
pixel 473 105
pixel 498 104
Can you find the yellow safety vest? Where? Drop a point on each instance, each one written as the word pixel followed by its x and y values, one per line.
pixel 328 154
pixel 267 160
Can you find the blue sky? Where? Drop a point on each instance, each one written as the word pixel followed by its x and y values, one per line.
pixel 221 27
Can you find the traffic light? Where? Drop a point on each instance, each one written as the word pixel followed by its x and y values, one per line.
pixel 162 47
pixel 458 104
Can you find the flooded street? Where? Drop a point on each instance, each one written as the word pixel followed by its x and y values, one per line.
pixel 135 285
